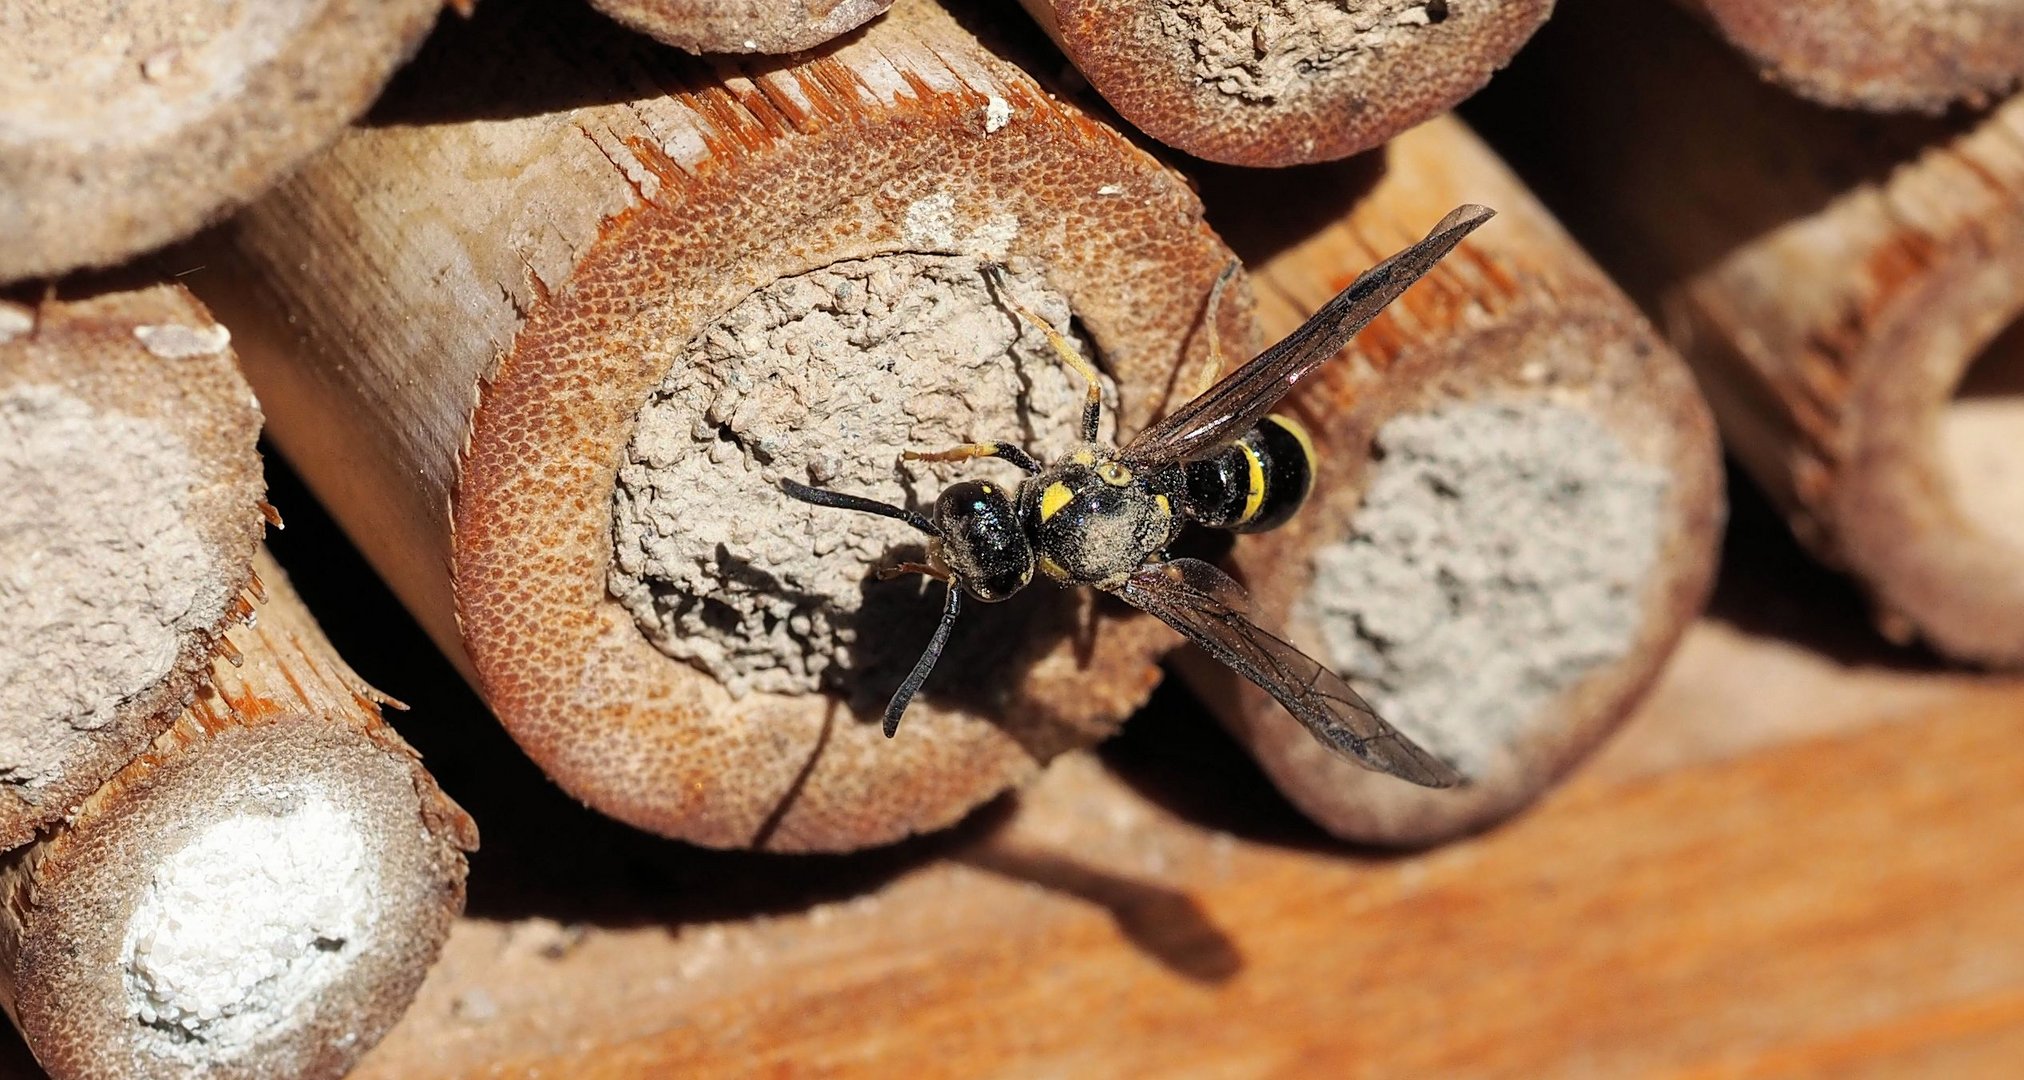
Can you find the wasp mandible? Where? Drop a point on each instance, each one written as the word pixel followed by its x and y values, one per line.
pixel 1104 516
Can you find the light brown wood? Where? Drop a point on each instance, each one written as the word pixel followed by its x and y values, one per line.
pixel 1512 603
pixel 1737 888
pixel 125 126
pixel 131 496
pixel 1285 82
pixel 1887 55
pixel 1842 284
pixel 259 893
pixel 550 264
pixel 743 26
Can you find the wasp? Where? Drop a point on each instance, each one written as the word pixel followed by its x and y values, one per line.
pixel 1104 516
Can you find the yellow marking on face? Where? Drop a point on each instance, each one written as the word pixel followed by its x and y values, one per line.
pixel 1166 508
pixel 1299 432
pixel 1052 569
pixel 985 488
pixel 1114 474
pixel 1083 457
pixel 1054 498
pixel 1254 485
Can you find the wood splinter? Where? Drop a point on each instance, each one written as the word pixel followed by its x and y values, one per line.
pixel 130 492
pixel 662 308
pixel 1518 500
pixel 126 126
pixel 1848 288
pixel 259 893
pixel 1285 82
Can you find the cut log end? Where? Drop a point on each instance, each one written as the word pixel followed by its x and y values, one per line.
pixel 1518 502
pixel 132 125
pixel 1882 55
pixel 258 894
pixel 131 486
pixel 743 26
pixel 1285 82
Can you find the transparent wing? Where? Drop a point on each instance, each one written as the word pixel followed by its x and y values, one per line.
pixel 1205 606
pixel 1230 408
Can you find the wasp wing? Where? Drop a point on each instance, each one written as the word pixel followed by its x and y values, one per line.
pixel 1231 407
pixel 1205 606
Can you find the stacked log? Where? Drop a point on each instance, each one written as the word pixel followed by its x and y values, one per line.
pixel 1842 284
pixel 1519 502
pixel 548 370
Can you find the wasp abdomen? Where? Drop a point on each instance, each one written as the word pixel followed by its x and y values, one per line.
pixel 1255 483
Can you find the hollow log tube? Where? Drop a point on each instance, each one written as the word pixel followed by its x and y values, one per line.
pixel 1518 502
pixel 742 26
pixel 1846 287
pixel 549 367
pixel 1883 55
pixel 124 127
pixel 259 893
pixel 130 508
pixel 1273 82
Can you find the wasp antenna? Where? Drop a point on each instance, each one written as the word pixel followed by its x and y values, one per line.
pixel 905 694
pixel 837 499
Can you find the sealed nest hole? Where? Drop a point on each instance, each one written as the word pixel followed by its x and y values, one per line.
pixel 826 378
pixel 1261 51
pixel 1500 555
pixel 1980 431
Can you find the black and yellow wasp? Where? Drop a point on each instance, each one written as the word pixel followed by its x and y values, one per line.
pixel 1104 516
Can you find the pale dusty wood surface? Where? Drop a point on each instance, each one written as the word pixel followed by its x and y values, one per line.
pixel 743 26
pixel 125 126
pixel 487 280
pixel 1264 83
pixel 280 722
pixel 1800 857
pixel 1831 276
pixel 151 356
pixel 1887 55
pixel 1517 316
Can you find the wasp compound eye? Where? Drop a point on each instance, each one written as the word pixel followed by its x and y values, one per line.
pixel 982 540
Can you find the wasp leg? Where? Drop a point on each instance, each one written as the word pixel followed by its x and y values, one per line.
pixel 837 499
pixel 905 694
pixel 887 573
pixel 1092 406
pixel 1214 371
pixel 967 451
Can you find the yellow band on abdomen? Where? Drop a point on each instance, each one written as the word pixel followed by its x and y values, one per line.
pixel 1254 484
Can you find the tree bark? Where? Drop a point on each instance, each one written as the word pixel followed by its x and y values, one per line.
pixel 482 313
pixel 124 126
pixel 130 508
pixel 1519 499
pixel 1285 82
pixel 257 894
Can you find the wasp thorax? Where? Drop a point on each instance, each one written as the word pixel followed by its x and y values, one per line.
pixel 982 541
pixel 1094 523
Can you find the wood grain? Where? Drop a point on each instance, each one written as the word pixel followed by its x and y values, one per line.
pixel 743 26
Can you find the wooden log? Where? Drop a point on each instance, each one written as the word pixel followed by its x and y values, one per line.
pixel 743 26
pixel 130 508
pixel 257 894
pixel 1842 284
pixel 1285 82
pixel 1885 55
pixel 124 127
pixel 663 306
pixel 1519 501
